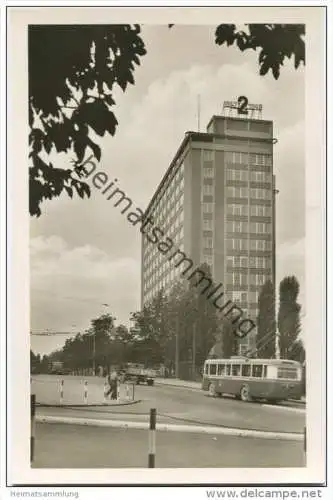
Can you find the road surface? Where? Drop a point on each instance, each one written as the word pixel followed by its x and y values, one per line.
pixel 71 446
pixel 173 404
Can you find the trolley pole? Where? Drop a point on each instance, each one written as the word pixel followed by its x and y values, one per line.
pixel 152 439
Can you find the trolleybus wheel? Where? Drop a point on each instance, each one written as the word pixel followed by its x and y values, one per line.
pixel 212 390
pixel 245 393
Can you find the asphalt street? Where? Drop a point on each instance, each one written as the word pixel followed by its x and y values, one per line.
pixel 71 446
pixel 174 404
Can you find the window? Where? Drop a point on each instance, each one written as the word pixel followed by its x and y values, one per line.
pixel 221 370
pixel 243 297
pixel 237 227
pixel 244 244
pixel 212 370
pixel 236 370
pixel 208 242
pixel 244 209
pixel 244 261
pixel 243 279
pixel 287 372
pixel 206 369
pixel 207 224
pixel 207 207
pixel 208 155
pixel 244 175
pixel 246 370
pixel 257 371
pixel 208 172
pixel 228 369
pixel 265 371
pixel 208 189
pixel 244 192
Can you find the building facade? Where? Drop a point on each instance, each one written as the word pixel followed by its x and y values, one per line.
pixel 216 204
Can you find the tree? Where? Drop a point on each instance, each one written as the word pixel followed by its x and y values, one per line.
pixel 150 326
pixel 276 41
pixel 228 338
pixel 72 74
pixel 204 315
pixel 73 71
pixel 266 323
pixel 297 351
pixel 289 323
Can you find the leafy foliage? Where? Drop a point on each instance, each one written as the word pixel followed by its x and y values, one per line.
pixel 266 324
pixel 276 41
pixel 72 74
pixel 289 323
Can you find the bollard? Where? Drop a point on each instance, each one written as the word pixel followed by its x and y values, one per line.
pixel 305 440
pixel 152 439
pixel 61 392
pixel 105 391
pixel 33 426
pixel 85 393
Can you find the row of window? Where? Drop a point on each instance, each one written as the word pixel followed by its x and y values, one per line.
pixel 255 210
pixel 248 158
pixel 151 248
pixel 175 185
pixel 234 370
pixel 245 244
pixel 245 279
pixel 243 227
pixel 254 262
pixel 152 259
pixel 167 209
pixel 244 192
pixel 162 276
pixel 246 297
pixel 243 175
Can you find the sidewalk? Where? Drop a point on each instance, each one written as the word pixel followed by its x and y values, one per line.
pixel 188 384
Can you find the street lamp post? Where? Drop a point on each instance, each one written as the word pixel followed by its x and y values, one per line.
pixel 277 337
pixel 94 353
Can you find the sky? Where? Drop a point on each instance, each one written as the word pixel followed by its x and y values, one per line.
pixel 84 253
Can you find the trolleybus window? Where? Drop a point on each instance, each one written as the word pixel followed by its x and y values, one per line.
pixel 221 369
pixel 289 372
pixel 246 370
pixel 257 371
pixel 212 369
pixel 228 367
pixel 206 369
pixel 236 370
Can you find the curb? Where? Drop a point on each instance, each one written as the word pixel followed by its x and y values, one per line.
pixel 89 405
pixel 179 385
pixel 286 436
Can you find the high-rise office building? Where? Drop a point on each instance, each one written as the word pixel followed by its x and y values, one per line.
pixel 216 204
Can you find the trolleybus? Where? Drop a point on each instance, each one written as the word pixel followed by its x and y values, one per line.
pixel 249 379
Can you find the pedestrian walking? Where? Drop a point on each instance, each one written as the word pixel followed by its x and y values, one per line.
pixel 113 384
